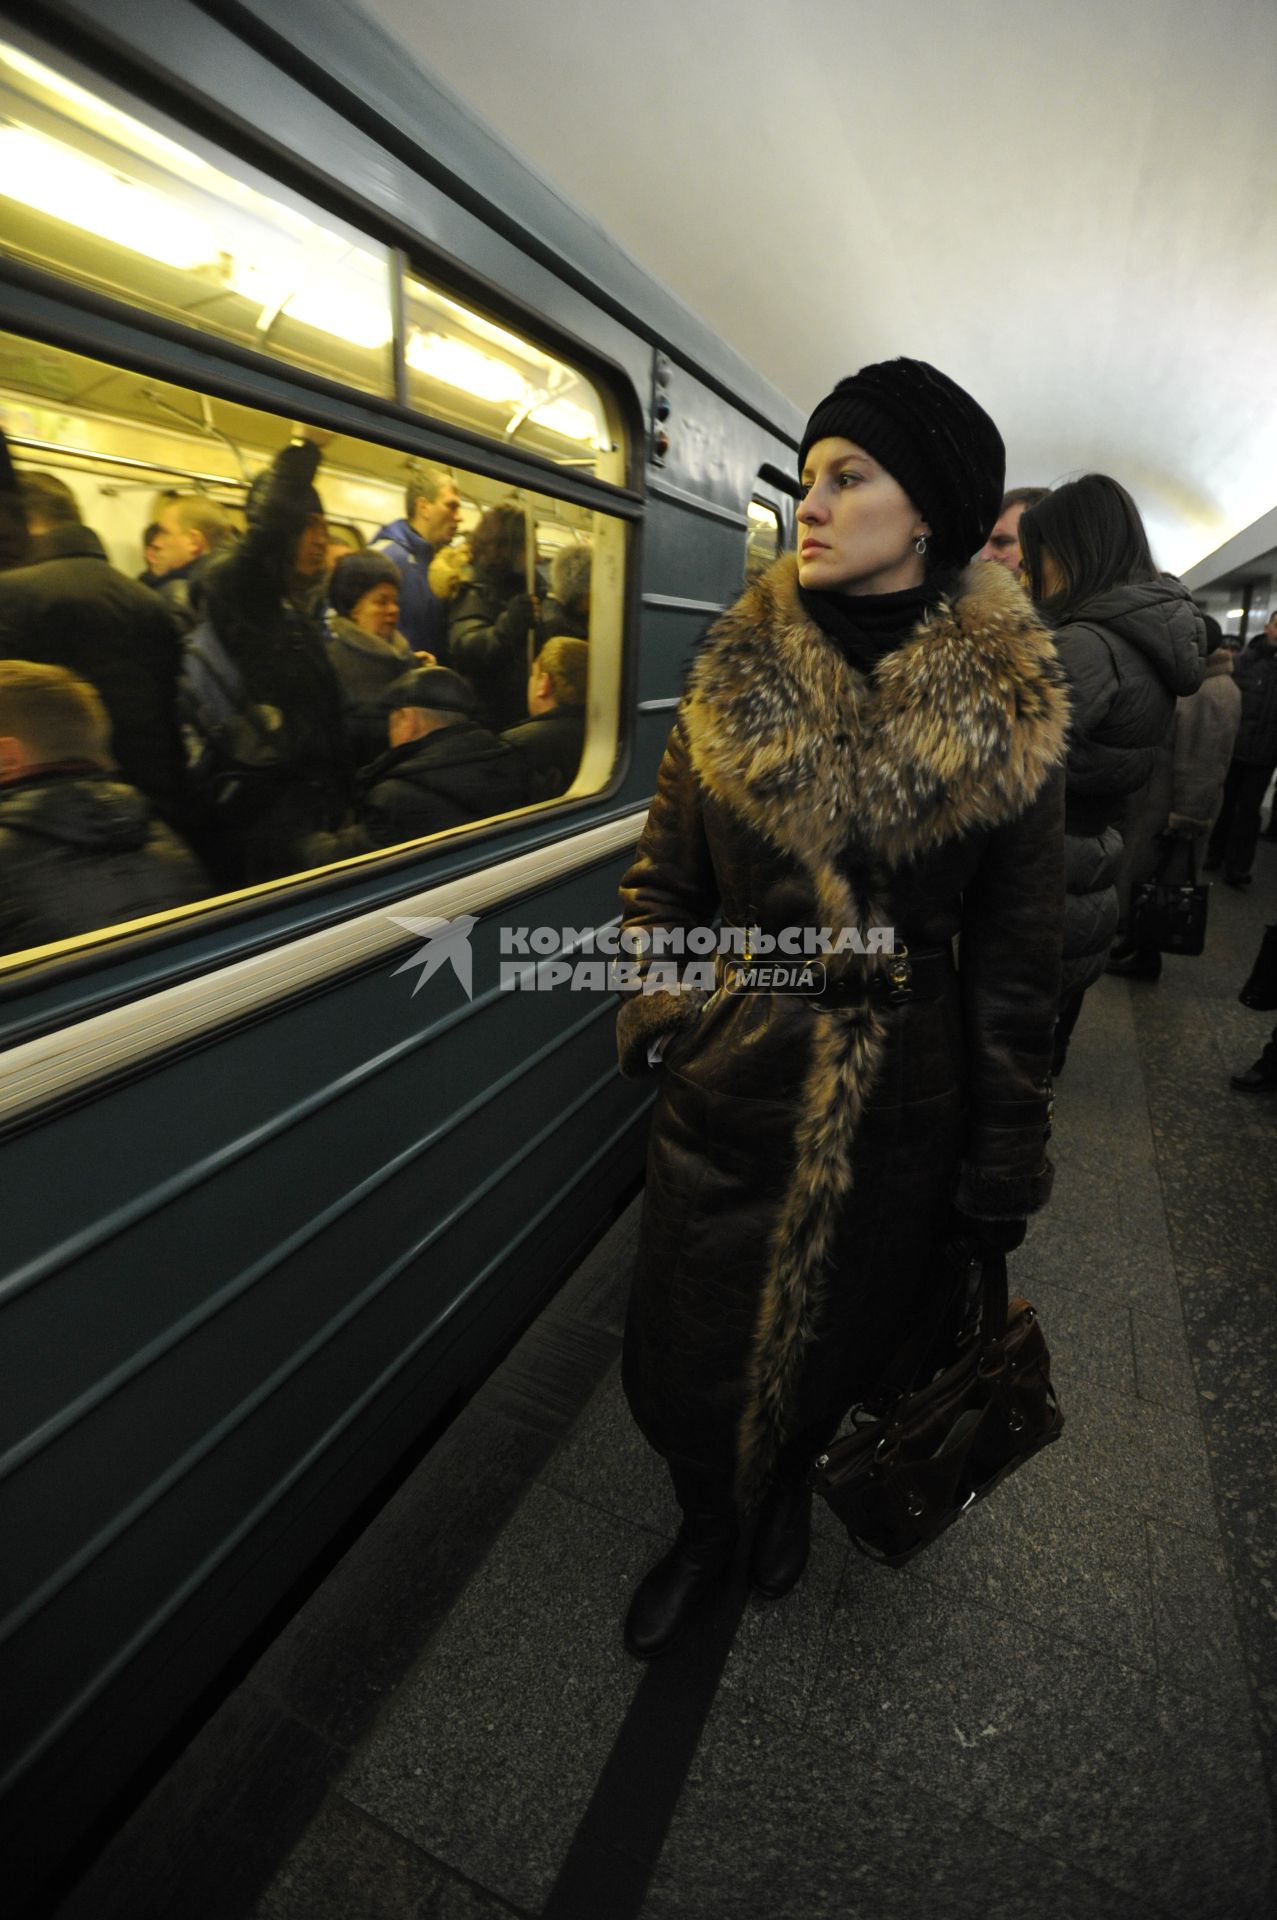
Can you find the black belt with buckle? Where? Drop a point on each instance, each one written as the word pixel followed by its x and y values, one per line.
pixel 906 974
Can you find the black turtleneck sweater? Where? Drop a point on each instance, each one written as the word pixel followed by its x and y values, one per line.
pixel 867 626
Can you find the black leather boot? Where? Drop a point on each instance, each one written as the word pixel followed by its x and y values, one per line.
pixel 670 1592
pixel 782 1535
pixel 1135 963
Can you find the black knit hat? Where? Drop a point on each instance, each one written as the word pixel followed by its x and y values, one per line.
pixel 356 574
pixel 932 437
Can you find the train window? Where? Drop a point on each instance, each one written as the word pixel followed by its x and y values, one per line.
pixel 92 192
pixel 373 651
pixel 763 540
pixel 465 368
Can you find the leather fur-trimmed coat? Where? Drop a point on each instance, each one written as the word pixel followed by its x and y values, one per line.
pixel 804 1161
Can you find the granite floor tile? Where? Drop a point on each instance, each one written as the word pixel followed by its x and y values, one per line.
pixel 1089 1338
pixel 340 1658
pixel 1195 1625
pixel 1163 1369
pixel 778 1824
pixel 1135 1458
pixel 1087 1255
pixel 606 1463
pixel 349 1867
pixel 1141 1784
pixel 207 1839
pixel 488 1756
pixel 776 1659
pixel 1042 1549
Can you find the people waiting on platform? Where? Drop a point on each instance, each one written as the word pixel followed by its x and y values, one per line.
pixel 492 620
pixel 432 508
pixel 1003 543
pixel 441 769
pixel 79 847
pixel 1232 843
pixel 260 694
pixel 189 529
pixel 1131 642
pixel 69 607
pixel 551 739
pixel 1168 821
pixel 365 646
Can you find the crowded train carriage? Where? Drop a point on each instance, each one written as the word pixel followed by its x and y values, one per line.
pixel 377 505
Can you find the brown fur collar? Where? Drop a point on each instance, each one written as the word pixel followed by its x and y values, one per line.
pixel 956 730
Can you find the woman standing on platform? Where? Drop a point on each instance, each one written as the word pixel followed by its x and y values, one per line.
pixel 1130 640
pixel 871 738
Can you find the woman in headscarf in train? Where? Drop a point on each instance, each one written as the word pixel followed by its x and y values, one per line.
pixel 1130 641
pixel 872 738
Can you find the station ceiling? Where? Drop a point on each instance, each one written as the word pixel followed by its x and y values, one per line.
pixel 1071 209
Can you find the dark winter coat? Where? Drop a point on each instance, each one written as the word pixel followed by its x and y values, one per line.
pixel 804 1160
pixel 365 666
pixel 1128 655
pixel 70 608
pixel 1256 675
pixel 80 850
pixel 550 745
pixel 424 619
pixel 446 779
pixel 277 644
pixel 1183 794
pixel 488 643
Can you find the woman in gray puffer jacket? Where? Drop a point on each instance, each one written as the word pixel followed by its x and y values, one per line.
pixel 1131 642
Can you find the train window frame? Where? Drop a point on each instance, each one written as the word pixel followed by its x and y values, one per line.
pixel 606 736
pixel 405 266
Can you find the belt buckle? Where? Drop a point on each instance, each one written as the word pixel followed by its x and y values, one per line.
pixel 900 973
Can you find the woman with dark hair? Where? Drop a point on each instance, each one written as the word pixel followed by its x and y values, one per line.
pixel 868 756
pixel 365 646
pixel 1130 641
pixel 490 618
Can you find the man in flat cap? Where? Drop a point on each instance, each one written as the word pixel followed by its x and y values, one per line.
pixel 441 768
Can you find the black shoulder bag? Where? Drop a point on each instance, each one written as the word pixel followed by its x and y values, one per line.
pixel 904 1475
pixel 1170 917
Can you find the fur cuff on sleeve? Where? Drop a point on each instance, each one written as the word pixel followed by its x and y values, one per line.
pixel 645 1017
pixel 990 1196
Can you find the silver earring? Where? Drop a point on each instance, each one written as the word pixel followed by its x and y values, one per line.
pixel 920 545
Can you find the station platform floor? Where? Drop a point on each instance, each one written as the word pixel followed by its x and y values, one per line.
pixel 1067 1706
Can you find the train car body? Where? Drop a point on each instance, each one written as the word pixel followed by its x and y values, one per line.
pixel 273 1196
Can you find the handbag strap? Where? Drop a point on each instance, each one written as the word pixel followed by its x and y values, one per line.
pixel 1171 845
pixel 900 1373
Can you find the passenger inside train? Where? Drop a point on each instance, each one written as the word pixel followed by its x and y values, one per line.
pixel 242 667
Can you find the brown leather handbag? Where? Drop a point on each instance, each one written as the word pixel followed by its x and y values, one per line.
pixel 906 1473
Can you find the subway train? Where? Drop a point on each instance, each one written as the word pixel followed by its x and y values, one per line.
pixel 278 1190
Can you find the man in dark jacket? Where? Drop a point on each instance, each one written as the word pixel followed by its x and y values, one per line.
pixel 68 607
pixel 263 598
pixel 188 531
pixel 441 770
pixel 1232 842
pixel 433 507
pixel 79 848
pixel 550 741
